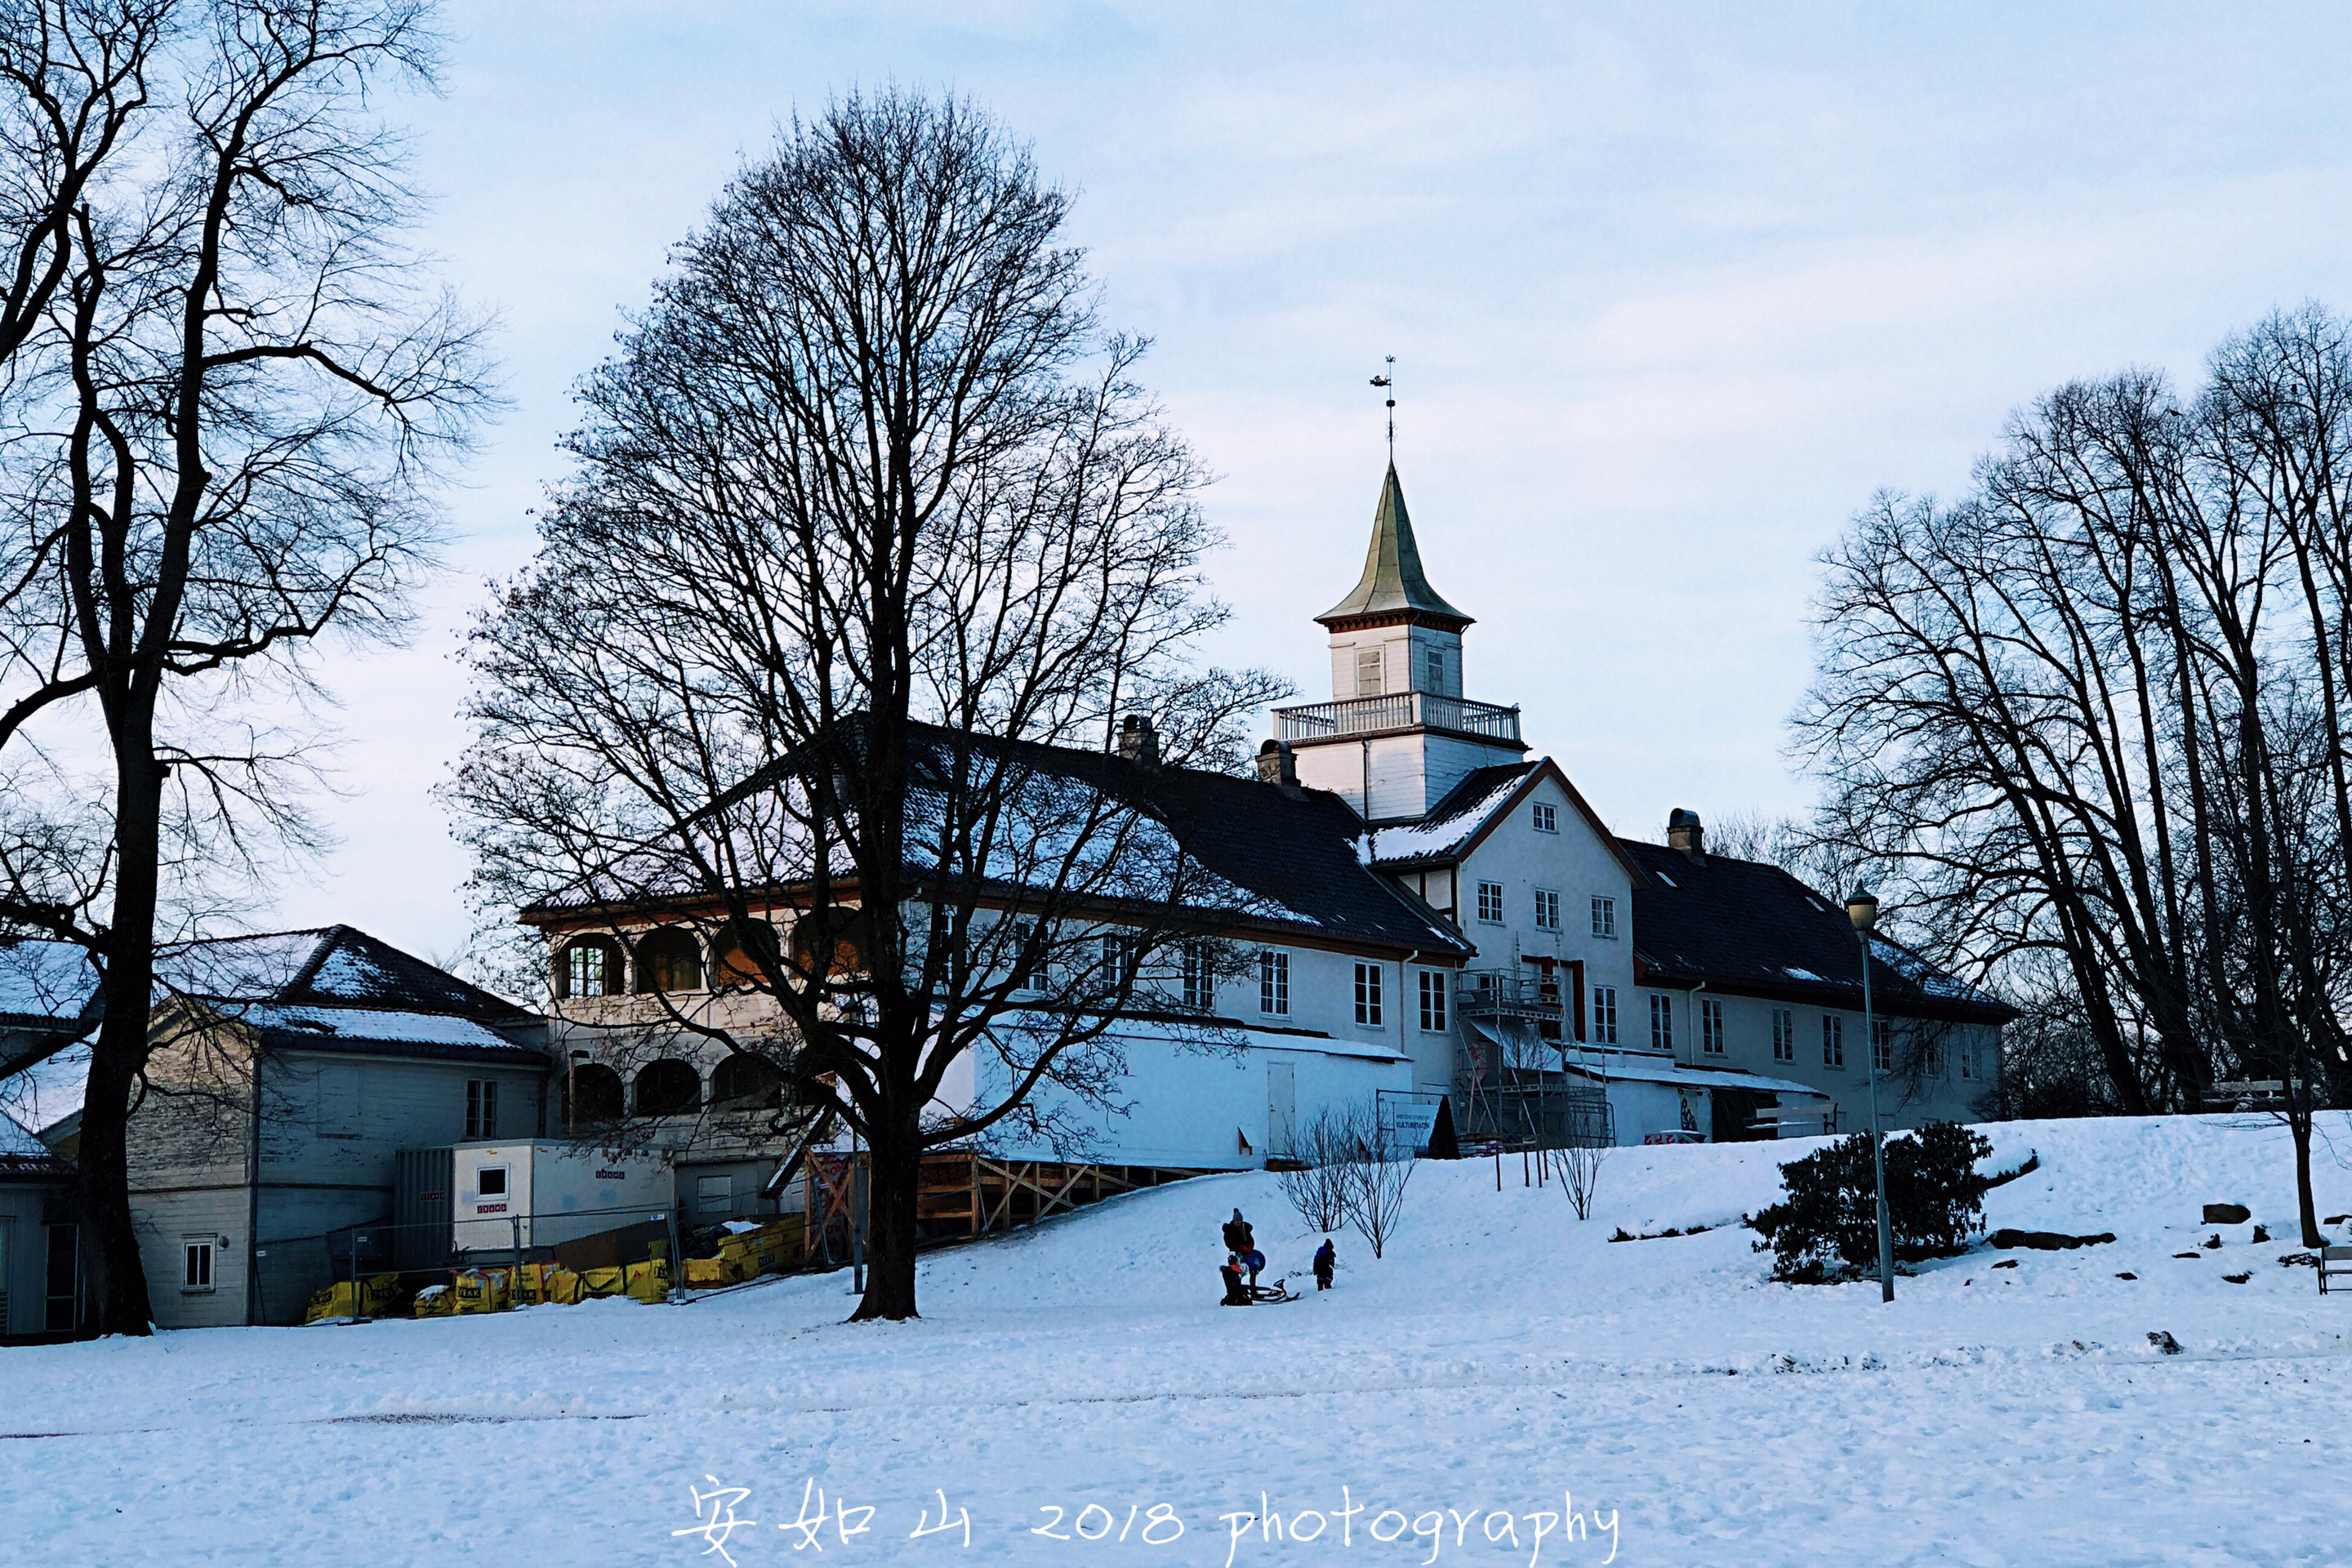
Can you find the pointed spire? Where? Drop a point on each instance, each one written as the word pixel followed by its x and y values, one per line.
pixel 1392 583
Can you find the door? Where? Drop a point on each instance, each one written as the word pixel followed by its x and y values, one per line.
pixel 1281 1106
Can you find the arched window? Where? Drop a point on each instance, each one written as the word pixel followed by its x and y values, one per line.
pixel 594 1096
pixel 731 965
pixel 669 959
pixel 589 966
pixel 668 1088
pixel 838 936
pixel 746 1082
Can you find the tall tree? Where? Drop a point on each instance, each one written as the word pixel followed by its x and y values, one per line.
pixel 228 431
pixel 2094 711
pixel 867 505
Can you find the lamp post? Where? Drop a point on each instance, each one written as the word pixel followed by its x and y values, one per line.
pixel 1861 908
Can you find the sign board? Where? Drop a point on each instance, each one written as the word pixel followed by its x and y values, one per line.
pixel 1410 1123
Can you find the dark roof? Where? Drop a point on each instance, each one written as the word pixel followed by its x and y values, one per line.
pixel 328 966
pixel 1393 583
pixel 1747 927
pixel 1289 854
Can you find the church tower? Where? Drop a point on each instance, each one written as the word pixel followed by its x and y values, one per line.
pixel 1398 733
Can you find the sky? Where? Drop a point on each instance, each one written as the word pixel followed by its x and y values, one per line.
pixel 1672 292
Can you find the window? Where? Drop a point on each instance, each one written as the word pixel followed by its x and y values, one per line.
pixel 197 1253
pixel 1604 1015
pixel 1933 1060
pixel 1968 1055
pixel 714 1195
pixel 1433 668
pixel 1661 1022
pixel 1604 918
pixel 1273 983
pixel 1114 962
pixel 1710 1026
pixel 1020 939
pixel 1784 1035
pixel 589 967
pixel 1200 976
pixel 1547 909
pixel 1432 1002
pixel 1369 682
pixel 491 1182
pixel 1832 1040
pixel 1881 1044
pixel 1546 818
pixel 1368 995
pixel 1490 902
pixel 481 1108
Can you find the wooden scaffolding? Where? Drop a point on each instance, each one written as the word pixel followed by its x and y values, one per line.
pixel 965 1193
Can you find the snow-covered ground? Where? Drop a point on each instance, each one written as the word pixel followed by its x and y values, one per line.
pixel 1504 1363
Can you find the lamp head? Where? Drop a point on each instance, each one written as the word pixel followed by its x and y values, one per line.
pixel 1861 908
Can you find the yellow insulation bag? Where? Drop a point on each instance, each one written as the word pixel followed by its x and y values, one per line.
pixel 601 1282
pixel 436 1301
pixel 649 1280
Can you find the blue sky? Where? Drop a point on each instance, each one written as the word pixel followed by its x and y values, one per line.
pixel 1671 291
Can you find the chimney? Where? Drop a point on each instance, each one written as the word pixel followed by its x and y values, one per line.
pixel 1278 764
pixel 1685 833
pixel 1139 742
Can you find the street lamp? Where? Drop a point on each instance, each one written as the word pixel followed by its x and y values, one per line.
pixel 1861 908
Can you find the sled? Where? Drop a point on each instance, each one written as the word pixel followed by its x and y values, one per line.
pixel 1278 1291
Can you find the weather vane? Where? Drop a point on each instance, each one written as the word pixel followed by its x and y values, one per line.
pixel 1389 381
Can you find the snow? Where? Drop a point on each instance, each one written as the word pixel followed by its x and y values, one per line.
pixel 371 1024
pixel 45 979
pixel 1605 1065
pixel 1501 1355
pixel 49 1092
pixel 17 1142
pixel 1441 837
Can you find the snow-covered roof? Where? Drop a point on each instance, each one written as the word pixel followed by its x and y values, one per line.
pixel 1613 1065
pixel 45 980
pixel 371 1029
pixel 17 1141
pixel 1447 830
pixel 47 1092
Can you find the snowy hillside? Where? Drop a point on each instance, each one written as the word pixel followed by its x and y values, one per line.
pixel 1501 1356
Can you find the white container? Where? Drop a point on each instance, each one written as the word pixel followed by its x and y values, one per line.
pixel 556 1192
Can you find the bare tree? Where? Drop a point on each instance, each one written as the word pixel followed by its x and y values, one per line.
pixel 1579 1175
pixel 1317 1189
pixel 1379 1169
pixel 223 440
pixel 2091 716
pixel 870 523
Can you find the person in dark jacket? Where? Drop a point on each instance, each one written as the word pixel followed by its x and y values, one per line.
pixel 1238 1237
pixel 1236 1293
pixel 1326 1258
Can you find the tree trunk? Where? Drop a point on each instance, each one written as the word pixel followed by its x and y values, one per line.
pixel 110 1246
pixel 896 1174
pixel 2307 1209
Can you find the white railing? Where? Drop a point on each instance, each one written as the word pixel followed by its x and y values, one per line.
pixel 1399 710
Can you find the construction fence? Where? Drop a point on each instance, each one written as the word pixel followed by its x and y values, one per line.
pixel 365 1271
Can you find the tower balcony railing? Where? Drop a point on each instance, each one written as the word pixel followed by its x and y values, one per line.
pixel 1399 710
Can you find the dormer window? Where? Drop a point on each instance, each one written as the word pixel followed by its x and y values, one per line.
pixel 1369 681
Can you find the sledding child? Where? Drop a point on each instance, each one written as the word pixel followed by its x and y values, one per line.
pixel 1230 1271
pixel 1252 1261
pixel 1326 1258
pixel 1238 1236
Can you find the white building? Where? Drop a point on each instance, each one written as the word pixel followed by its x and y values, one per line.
pixel 1442 917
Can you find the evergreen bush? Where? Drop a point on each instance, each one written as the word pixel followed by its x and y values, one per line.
pixel 1826 1228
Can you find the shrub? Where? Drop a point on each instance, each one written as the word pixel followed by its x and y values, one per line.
pixel 1826 1228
